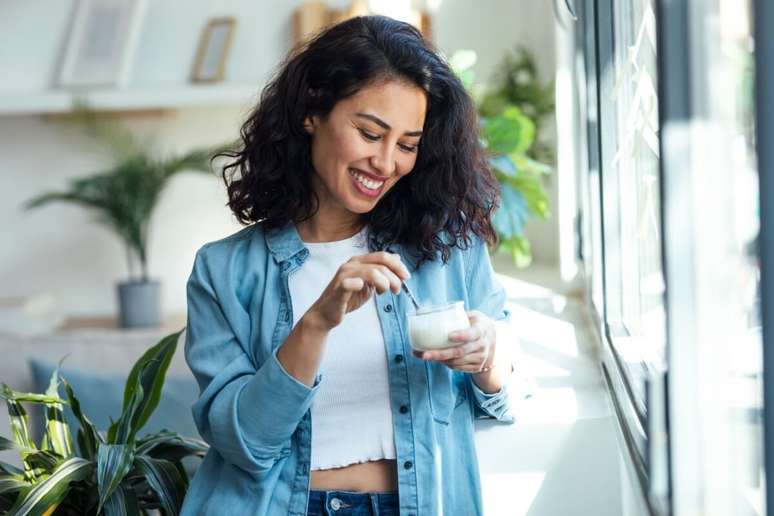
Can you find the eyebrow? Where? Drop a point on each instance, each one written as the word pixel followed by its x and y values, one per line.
pixel 384 125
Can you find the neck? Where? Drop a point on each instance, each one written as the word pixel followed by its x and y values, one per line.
pixel 329 225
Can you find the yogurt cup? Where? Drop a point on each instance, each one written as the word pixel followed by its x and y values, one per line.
pixel 430 326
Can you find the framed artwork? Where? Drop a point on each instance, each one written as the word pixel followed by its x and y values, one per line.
pixel 214 46
pixel 101 42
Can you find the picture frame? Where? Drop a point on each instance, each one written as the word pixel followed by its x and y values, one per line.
pixel 212 53
pixel 101 43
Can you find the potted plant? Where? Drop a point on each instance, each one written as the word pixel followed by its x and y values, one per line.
pixel 508 134
pixel 109 473
pixel 123 198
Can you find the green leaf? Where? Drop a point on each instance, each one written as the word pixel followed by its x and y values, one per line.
pixel 462 60
pixel 9 394
pixel 149 372
pixel 88 437
pixel 503 165
pixel 532 190
pixel 7 444
pixel 508 132
pixel 51 491
pixel 165 480
pixel 171 446
pixel 113 463
pixel 12 484
pixel 58 436
pixel 510 217
pixel 45 460
pixel 519 249
pixel 120 432
pixel 123 502
pixel 9 469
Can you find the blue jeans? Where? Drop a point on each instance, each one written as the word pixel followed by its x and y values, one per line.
pixel 347 503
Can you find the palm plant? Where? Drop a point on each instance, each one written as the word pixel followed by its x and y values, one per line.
pixel 112 473
pixel 124 195
pixel 508 135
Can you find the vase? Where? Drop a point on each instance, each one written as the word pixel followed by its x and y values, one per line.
pixel 139 304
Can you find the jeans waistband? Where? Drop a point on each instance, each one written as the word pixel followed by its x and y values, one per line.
pixel 349 502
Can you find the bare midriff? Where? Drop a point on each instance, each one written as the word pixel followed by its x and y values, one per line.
pixel 378 476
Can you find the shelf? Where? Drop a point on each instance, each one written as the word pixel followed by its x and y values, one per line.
pixel 126 99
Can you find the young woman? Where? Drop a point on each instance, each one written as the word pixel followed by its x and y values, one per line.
pixel 360 170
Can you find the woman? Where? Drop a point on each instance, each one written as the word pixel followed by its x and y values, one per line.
pixel 360 170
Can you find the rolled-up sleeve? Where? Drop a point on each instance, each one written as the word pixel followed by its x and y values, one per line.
pixel 486 295
pixel 247 413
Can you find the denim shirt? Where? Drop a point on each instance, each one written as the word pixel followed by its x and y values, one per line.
pixel 256 417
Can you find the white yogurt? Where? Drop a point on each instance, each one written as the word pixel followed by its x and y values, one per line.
pixel 429 327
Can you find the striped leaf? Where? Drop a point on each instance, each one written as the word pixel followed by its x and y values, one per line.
pixel 45 460
pixel 123 502
pixel 48 493
pixel 9 469
pixel 113 463
pixel 19 421
pixel 58 436
pixel 12 484
pixel 171 446
pixel 165 480
pixel 19 430
pixel 88 437
pixel 151 370
pixel 120 432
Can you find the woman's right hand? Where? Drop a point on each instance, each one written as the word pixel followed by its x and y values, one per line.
pixel 354 283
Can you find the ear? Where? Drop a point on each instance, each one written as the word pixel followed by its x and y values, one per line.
pixel 309 124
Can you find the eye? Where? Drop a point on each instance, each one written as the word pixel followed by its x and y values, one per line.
pixel 407 148
pixel 369 136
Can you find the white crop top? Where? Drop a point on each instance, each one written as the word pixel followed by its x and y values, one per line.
pixel 351 416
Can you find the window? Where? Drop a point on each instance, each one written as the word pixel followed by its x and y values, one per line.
pixel 670 244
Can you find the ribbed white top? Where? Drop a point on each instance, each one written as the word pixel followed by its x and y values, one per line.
pixel 351 416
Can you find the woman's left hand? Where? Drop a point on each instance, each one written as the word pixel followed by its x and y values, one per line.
pixel 476 352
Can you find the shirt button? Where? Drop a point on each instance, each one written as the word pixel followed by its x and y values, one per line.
pixel 398 359
pixel 403 409
pixel 388 308
pixel 408 464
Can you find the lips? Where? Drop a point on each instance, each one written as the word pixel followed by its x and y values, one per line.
pixel 365 183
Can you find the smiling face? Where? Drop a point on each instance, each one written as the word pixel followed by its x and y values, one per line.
pixel 365 145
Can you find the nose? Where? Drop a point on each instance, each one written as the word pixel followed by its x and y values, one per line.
pixel 384 160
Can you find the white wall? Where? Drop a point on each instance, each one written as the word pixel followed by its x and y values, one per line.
pixel 58 249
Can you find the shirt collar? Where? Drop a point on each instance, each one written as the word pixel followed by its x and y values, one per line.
pixel 284 243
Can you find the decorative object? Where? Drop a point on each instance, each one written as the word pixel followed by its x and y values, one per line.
pixel 314 15
pixel 117 472
pixel 508 134
pixel 101 43
pixel 123 197
pixel 214 46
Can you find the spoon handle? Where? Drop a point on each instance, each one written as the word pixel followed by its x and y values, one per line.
pixel 410 295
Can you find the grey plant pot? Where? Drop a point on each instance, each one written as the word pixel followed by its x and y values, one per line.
pixel 139 304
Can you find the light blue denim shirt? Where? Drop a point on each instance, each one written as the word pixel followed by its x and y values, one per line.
pixel 257 418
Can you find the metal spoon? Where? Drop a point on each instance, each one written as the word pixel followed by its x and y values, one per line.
pixel 410 295
pixel 405 287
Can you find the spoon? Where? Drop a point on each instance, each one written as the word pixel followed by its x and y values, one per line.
pixel 410 295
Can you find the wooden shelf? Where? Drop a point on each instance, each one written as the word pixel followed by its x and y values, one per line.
pixel 128 99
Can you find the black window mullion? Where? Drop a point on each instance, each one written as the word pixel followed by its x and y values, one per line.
pixel 764 113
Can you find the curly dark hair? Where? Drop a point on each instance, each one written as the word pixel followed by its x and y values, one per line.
pixel 449 197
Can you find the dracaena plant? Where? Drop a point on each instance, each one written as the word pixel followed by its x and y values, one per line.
pixel 508 134
pixel 112 473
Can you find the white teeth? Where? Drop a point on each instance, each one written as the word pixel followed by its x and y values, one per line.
pixel 368 183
